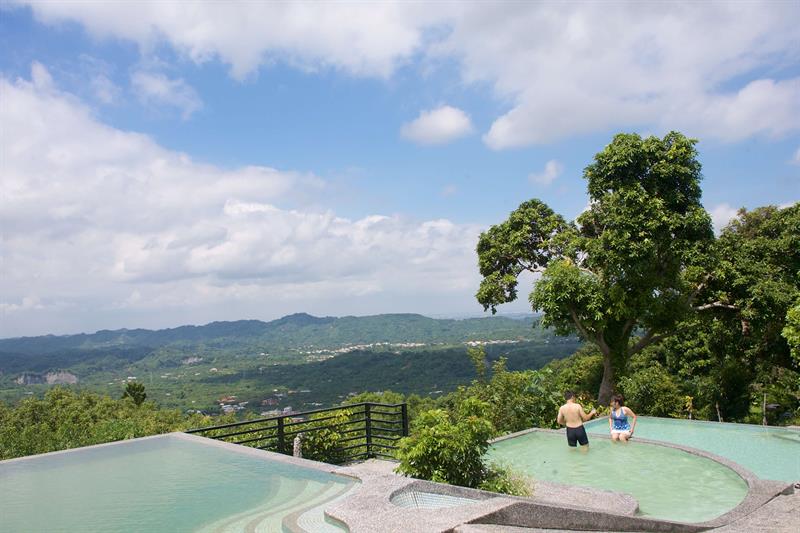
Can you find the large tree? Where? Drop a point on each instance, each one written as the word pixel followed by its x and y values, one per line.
pixel 628 269
pixel 738 347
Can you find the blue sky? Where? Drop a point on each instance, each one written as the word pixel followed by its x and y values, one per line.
pixel 180 163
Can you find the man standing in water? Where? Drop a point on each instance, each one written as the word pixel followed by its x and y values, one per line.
pixel 571 415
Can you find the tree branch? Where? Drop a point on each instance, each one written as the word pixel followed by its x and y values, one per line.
pixel 598 339
pixel 697 290
pixel 601 342
pixel 649 338
pixel 528 267
pixel 626 329
pixel 717 305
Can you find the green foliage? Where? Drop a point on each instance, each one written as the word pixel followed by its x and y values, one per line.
pixel 528 240
pixel 791 332
pixel 448 448
pixel 581 372
pixel 505 480
pixel 516 400
pixel 326 444
pixel 135 391
pixel 654 391
pixel 629 263
pixel 477 354
pixel 66 419
pixel 416 404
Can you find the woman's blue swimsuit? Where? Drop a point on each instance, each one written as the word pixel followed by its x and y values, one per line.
pixel 619 421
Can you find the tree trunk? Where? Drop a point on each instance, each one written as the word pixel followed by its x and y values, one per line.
pixel 607 385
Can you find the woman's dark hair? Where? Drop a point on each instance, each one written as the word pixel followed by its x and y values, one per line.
pixel 619 398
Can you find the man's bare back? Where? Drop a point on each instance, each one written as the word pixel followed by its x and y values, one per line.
pixel 571 415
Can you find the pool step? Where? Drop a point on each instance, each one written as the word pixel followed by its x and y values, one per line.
pixel 312 518
pixel 287 492
pixel 270 521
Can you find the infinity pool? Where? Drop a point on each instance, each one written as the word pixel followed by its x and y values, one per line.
pixel 769 452
pixel 166 483
pixel 668 483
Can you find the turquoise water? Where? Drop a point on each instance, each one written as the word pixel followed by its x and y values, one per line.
pixel 163 484
pixel 769 452
pixel 669 484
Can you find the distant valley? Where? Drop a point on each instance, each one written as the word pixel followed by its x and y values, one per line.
pixel 298 361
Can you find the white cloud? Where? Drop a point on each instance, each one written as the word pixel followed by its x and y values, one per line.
pixel 157 89
pixel 27 303
pixel 721 215
pixel 552 170
pixel 105 228
pixel 105 90
pixel 449 190
pixel 438 126
pixel 796 158
pixel 362 38
pixel 564 69
pixel 40 77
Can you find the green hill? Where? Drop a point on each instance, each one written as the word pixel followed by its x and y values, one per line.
pixel 193 366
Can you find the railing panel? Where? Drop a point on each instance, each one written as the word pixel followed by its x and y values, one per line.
pixel 362 424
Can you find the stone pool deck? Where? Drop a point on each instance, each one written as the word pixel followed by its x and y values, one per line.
pixel 369 508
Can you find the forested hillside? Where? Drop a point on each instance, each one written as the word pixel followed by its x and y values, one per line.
pixel 265 365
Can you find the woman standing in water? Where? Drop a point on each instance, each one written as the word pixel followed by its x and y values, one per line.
pixel 618 423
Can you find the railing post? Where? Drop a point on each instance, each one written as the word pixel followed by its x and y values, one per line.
pixel 281 436
pixel 404 414
pixel 368 428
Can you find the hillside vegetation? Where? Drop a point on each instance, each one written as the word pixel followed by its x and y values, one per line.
pixel 298 361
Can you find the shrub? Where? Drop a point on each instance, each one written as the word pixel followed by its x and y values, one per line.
pixel 503 479
pixel 448 449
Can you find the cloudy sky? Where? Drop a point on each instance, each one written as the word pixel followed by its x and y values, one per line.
pixel 178 163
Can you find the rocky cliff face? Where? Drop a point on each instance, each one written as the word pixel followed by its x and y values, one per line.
pixel 29 379
pixel 60 378
pixel 50 378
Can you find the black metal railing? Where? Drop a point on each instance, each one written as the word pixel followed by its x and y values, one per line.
pixel 335 435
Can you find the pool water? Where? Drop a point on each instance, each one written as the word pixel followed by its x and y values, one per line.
pixel 669 484
pixel 168 483
pixel 768 452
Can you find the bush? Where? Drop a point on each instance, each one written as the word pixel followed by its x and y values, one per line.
pixel 448 449
pixel 503 479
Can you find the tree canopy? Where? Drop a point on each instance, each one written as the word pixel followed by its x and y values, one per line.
pixel 629 268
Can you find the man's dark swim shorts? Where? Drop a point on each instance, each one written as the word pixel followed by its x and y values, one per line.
pixel 576 435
